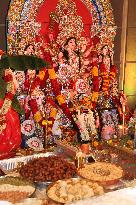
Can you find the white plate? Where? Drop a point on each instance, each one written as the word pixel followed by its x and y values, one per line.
pixel 5 203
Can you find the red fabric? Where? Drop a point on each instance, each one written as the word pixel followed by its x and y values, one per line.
pixel 10 138
pixel 9 96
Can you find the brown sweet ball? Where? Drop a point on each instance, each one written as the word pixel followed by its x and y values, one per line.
pixel 50 168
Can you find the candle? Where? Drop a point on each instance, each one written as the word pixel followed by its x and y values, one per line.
pixel 120 130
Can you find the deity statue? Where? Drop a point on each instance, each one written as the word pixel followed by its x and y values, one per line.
pixel 108 77
pixel 106 57
pixel 69 63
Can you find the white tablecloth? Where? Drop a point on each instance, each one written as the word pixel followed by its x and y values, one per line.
pixel 122 197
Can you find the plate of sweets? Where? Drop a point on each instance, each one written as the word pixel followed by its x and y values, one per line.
pixel 66 191
pixel 48 169
pixel 102 172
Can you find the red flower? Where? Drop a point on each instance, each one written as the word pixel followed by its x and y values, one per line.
pixel 33 105
pixel 96 83
pixel 1 52
pixel 8 78
pixel 93 105
pixel 55 86
pixel 95 63
pixel 113 69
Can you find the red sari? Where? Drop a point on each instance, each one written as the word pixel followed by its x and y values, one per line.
pixel 10 138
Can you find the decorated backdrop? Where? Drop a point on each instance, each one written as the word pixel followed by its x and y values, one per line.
pixel 76 38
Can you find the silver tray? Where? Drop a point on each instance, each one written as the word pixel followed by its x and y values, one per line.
pixel 13 163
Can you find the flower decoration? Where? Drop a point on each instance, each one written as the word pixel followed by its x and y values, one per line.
pixel 107 79
pixel 35 143
pixel 95 82
pixel 81 86
pixel 57 91
pixel 28 127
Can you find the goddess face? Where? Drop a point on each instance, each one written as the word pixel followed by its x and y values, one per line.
pixel 105 50
pixel 31 74
pixel 29 50
pixel 19 76
pixel 72 44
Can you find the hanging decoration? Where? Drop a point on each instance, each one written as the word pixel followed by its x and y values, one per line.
pixel 95 82
pixel 107 79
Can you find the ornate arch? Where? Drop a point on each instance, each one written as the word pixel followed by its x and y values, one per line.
pixel 27 18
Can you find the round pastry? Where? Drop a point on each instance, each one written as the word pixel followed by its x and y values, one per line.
pixel 101 172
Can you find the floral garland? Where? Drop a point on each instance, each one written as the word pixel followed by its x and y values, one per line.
pixel 40 81
pixel 107 79
pixel 52 115
pixel 10 92
pixel 51 120
pixel 57 91
pixel 95 81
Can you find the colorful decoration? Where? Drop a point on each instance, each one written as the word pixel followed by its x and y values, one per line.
pixel 86 124
pixel 81 86
pixel 28 127
pixel 19 35
pixel 95 82
pixel 35 144
pixel 11 89
pixel 73 74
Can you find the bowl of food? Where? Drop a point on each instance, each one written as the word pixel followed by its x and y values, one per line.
pixel 47 169
pixel 102 172
pixel 66 191
pixel 15 189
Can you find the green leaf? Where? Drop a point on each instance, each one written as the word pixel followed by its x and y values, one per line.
pixel 22 62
